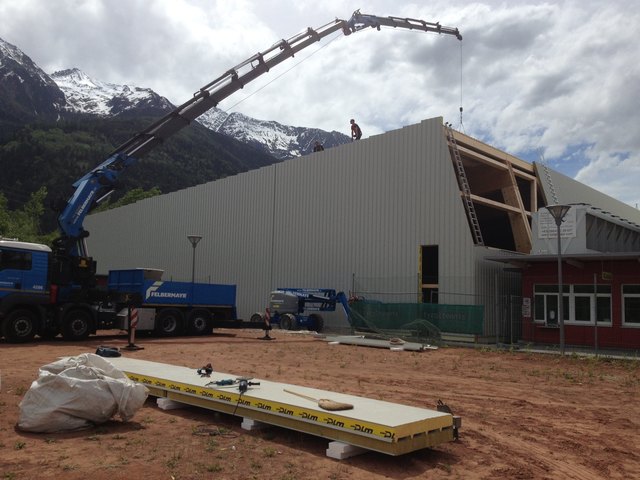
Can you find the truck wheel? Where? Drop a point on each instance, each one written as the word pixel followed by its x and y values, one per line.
pixel 316 322
pixel 288 322
pixel 168 322
pixel 20 326
pixel 199 322
pixel 76 325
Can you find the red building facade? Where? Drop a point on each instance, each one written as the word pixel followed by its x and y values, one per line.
pixel 601 300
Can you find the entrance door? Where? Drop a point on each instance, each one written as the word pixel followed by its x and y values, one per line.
pixel 429 273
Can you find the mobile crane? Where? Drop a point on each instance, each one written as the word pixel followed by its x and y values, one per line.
pixel 47 291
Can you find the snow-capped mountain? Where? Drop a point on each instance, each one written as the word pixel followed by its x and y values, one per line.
pixel 87 95
pixel 281 141
pixel 28 92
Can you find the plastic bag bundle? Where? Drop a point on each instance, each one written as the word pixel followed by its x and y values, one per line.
pixel 79 392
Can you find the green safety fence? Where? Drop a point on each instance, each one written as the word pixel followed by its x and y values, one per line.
pixel 417 320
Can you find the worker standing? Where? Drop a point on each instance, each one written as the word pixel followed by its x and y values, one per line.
pixel 356 133
pixel 318 147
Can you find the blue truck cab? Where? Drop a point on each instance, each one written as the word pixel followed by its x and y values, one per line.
pixel 24 288
pixel 23 269
pixel 33 303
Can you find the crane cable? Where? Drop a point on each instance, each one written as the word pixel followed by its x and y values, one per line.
pixel 461 109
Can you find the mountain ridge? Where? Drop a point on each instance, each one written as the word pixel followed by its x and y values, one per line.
pixel 87 95
pixel 26 91
pixel 71 90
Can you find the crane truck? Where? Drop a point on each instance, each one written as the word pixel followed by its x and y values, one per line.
pixel 46 291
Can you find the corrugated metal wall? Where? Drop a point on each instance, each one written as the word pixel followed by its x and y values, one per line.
pixel 499 289
pixel 364 208
pixel 568 190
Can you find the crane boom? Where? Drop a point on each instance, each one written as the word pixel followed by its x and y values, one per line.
pixel 100 181
pixel 361 20
pixel 237 77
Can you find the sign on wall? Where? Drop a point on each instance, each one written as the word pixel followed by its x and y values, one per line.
pixel 547 227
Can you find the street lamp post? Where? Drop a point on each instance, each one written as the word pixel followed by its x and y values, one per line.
pixel 558 213
pixel 194 239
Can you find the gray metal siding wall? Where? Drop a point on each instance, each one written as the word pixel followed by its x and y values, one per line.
pixel 313 221
pixel 499 291
pixel 569 190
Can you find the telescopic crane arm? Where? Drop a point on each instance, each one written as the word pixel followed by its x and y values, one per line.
pixel 361 20
pixel 100 182
pixel 237 77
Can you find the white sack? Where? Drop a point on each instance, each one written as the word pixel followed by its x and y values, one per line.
pixel 78 392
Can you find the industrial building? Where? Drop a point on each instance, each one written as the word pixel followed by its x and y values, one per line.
pixel 414 215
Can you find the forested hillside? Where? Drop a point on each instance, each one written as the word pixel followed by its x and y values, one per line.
pixel 55 155
pixel 49 139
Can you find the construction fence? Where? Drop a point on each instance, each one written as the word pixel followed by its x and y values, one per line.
pixel 598 318
pixel 398 307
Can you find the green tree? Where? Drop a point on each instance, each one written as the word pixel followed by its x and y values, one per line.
pixel 24 223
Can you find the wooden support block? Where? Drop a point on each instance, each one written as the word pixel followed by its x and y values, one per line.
pixel 340 451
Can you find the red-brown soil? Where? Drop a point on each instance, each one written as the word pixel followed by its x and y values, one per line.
pixel 525 415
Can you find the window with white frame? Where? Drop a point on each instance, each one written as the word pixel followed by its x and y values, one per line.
pixel 545 306
pixel 603 307
pixel 631 305
pixel 582 304
pixel 590 303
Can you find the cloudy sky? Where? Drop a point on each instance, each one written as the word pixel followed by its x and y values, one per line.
pixel 558 80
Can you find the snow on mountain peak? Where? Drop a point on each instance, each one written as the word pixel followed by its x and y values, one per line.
pixel 281 141
pixel 21 78
pixel 12 52
pixel 87 95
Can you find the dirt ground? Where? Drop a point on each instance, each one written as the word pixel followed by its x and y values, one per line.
pixel 524 415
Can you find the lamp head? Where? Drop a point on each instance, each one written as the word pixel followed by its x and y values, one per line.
pixel 194 239
pixel 558 212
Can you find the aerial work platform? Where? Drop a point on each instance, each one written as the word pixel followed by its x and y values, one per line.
pixel 377 425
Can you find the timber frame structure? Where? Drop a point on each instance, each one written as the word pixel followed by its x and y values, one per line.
pixel 499 192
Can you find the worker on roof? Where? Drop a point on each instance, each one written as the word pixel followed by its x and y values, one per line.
pixel 356 133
